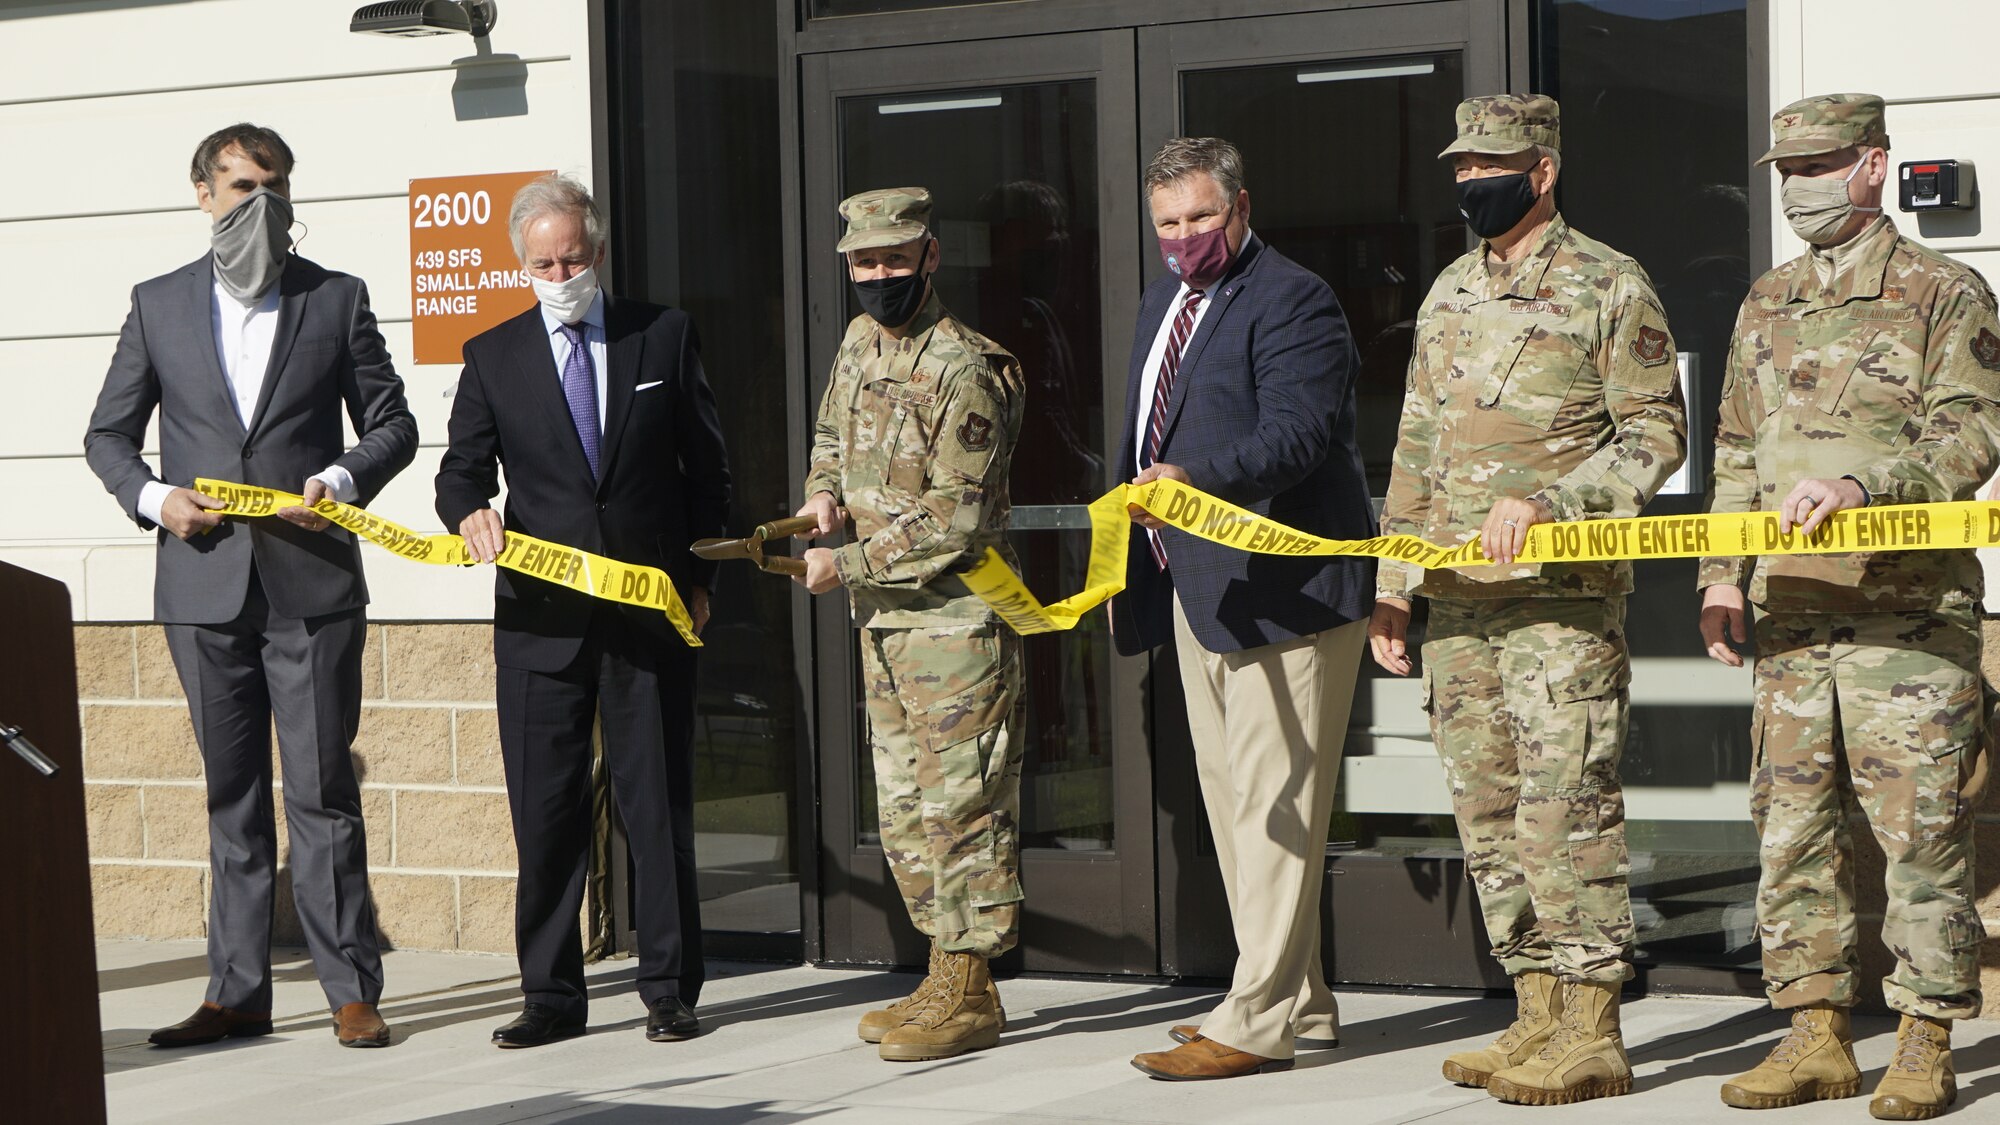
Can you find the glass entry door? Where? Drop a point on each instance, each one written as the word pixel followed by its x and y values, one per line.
pixel 1339 116
pixel 1027 147
pixel 1033 148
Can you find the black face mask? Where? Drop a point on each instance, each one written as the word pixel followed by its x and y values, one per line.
pixel 1492 205
pixel 892 301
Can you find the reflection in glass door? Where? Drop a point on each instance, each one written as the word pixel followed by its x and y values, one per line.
pixel 1370 212
pixel 1012 175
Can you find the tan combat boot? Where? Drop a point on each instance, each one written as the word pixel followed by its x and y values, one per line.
pixel 962 1013
pixel 1813 1062
pixel 874 1025
pixel 1537 1011
pixel 1584 1059
pixel 1920 1083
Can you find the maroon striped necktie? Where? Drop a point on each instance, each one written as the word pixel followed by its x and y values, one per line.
pixel 1163 390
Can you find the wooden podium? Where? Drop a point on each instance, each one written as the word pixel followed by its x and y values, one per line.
pixel 53 1041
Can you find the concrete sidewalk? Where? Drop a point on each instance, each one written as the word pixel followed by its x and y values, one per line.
pixel 779 1046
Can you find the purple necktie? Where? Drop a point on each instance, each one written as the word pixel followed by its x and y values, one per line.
pixel 580 389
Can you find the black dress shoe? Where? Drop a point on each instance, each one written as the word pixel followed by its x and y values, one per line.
pixel 537 1024
pixel 669 1019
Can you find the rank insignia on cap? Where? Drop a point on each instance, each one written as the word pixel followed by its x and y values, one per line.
pixel 1986 349
pixel 976 433
pixel 1650 349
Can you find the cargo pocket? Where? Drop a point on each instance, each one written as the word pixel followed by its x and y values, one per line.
pixel 1852 392
pixel 1581 729
pixel 1533 380
pixel 969 771
pixel 1946 736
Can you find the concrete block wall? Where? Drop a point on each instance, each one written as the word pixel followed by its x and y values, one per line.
pixel 440 848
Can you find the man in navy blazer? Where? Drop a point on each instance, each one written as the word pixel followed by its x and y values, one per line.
pixel 1242 385
pixel 598 410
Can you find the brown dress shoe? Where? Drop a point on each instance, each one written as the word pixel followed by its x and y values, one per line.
pixel 210 1023
pixel 1204 1058
pixel 1188 1033
pixel 360 1025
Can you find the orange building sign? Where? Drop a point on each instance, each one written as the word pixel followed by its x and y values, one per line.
pixel 464 276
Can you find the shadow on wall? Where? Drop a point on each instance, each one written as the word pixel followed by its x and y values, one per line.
pixel 487 85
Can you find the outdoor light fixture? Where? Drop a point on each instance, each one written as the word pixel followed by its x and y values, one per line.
pixel 410 19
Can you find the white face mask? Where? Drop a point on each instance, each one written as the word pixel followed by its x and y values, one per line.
pixel 567 301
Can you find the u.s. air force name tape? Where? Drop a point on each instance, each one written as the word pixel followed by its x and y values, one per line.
pixel 1908 527
pixel 581 571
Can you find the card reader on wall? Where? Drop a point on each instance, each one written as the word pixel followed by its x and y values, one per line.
pixel 1938 185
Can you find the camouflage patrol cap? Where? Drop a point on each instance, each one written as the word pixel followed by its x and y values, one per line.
pixel 1506 123
pixel 1827 123
pixel 885 217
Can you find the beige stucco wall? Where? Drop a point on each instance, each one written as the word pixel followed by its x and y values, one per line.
pixel 441 853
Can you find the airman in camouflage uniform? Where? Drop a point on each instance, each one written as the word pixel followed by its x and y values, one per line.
pixel 1862 372
pixel 914 438
pixel 1543 387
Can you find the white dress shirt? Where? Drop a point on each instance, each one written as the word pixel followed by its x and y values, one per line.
pixel 1149 375
pixel 243 337
pixel 593 335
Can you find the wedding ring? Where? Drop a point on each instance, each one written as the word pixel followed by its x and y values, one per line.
pixel 1507 523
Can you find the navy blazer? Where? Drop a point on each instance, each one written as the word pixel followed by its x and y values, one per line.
pixel 327 358
pixel 1262 415
pixel 664 482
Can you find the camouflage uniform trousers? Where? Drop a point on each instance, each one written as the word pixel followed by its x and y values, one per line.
pixel 1528 704
pixel 943 707
pixel 1883 710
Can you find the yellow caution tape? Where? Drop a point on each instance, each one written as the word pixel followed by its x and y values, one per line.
pixel 1905 527
pixel 581 571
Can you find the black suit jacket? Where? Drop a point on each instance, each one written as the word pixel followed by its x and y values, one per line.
pixel 665 476
pixel 326 355
pixel 1261 415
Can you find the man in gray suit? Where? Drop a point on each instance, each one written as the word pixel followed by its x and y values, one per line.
pixel 249 353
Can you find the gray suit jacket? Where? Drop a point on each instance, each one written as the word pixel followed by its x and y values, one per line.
pixel 326 354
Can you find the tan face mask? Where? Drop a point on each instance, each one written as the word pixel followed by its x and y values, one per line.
pixel 1818 209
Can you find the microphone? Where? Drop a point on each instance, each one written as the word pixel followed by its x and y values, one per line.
pixel 29 752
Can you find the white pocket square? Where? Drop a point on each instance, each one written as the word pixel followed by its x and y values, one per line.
pixel 647 386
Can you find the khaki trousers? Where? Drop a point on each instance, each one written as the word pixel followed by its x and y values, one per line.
pixel 1269 724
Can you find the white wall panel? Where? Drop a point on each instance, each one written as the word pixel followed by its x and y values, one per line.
pixel 146 82
pixel 351 137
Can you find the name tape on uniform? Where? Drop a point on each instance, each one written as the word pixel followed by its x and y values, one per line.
pixel 1907 527
pixel 594 575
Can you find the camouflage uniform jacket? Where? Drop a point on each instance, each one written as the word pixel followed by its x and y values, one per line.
pixel 1552 379
pixel 1889 374
pixel 915 437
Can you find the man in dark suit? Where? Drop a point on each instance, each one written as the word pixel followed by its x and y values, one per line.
pixel 249 355
pixel 1242 384
pixel 599 411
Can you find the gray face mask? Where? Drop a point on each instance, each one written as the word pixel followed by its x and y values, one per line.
pixel 250 244
pixel 1818 209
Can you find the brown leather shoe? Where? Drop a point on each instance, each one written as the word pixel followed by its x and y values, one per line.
pixel 210 1023
pixel 1188 1033
pixel 360 1025
pixel 1204 1058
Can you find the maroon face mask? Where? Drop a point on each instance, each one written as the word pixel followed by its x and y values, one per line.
pixel 1198 260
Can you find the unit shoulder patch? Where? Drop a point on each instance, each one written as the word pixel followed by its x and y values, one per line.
pixel 975 434
pixel 1986 349
pixel 1650 347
